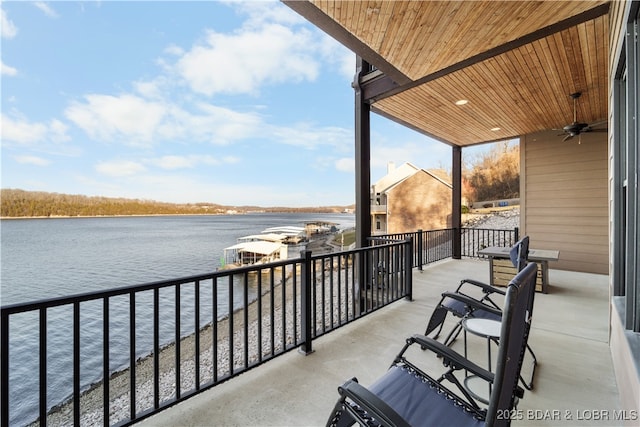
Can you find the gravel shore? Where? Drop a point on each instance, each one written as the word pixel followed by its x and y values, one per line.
pixel 91 400
pixel 502 219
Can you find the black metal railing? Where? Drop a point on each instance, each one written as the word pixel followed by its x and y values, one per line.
pixel 428 246
pixel 153 345
pixel 435 245
pixel 476 239
pixel 158 343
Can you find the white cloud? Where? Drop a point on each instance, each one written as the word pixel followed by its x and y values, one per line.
pixel 174 162
pixel 7 70
pixel 262 51
pixel 184 162
pixel 150 89
pixel 244 61
pixel 21 131
pixel 346 164
pixel 338 56
pixel 225 125
pixel 9 30
pixel 125 118
pixel 58 131
pixel 119 168
pixel 133 120
pixel 347 63
pixel 46 9
pixel 261 11
pixel 230 159
pixel 182 188
pixel 311 137
pixel 174 50
pixel 330 51
pixel 32 160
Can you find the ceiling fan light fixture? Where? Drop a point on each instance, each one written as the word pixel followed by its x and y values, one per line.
pixel 577 128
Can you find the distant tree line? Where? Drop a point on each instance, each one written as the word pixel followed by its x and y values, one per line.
pixel 20 203
pixel 494 175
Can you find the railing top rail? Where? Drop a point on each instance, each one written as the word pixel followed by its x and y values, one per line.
pixel 22 307
pixel 413 232
pixel 488 229
pixel 390 239
pixel 92 295
pixel 122 290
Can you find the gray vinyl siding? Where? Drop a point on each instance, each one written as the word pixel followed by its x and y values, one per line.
pixel 566 200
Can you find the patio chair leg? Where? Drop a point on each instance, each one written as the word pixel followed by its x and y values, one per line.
pixel 529 386
pixel 453 334
pixel 338 418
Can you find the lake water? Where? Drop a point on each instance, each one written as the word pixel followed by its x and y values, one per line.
pixel 46 258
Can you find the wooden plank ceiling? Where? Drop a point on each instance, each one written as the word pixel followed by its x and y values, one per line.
pixel 515 62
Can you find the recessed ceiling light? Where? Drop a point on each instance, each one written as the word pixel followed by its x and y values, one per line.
pixel 495 129
pixel 462 101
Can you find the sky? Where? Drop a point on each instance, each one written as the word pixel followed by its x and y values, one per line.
pixel 228 102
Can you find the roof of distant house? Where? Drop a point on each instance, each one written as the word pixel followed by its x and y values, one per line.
pixel 404 171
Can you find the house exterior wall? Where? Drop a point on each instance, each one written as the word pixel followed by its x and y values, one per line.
pixel 418 202
pixel 623 218
pixel 564 198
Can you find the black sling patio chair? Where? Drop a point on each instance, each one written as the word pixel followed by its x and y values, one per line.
pixel 407 396
pixel 463 303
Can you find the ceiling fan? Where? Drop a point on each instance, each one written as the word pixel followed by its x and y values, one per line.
pixel 576 128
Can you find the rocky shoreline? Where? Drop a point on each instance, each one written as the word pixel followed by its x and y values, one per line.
pixel 91 399
pixel 500 219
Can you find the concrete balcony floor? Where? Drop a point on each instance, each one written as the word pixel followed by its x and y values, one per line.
pixel 574 382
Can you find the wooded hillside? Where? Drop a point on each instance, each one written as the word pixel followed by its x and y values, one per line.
pixel 20 203
pixel 494 175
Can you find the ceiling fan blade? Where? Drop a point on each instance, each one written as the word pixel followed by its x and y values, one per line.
pixel 566 138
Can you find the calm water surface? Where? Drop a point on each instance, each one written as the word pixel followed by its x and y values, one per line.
pixel 46 258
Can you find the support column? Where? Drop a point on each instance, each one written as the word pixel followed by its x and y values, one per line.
pixel 363 173
pixel 456 198
pixel 363 158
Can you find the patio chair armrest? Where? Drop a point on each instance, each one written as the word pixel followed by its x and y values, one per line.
pixel 372 404
pixel 450 357
pixel 488 289
pixel 472 302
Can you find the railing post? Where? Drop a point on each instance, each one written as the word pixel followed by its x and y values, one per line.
pixel 306 308
pixel 420 249
pixel 408 269
pixel 4 369
pixel 362 278
pixel 456 196
pixel 42 372
pixel 516 231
